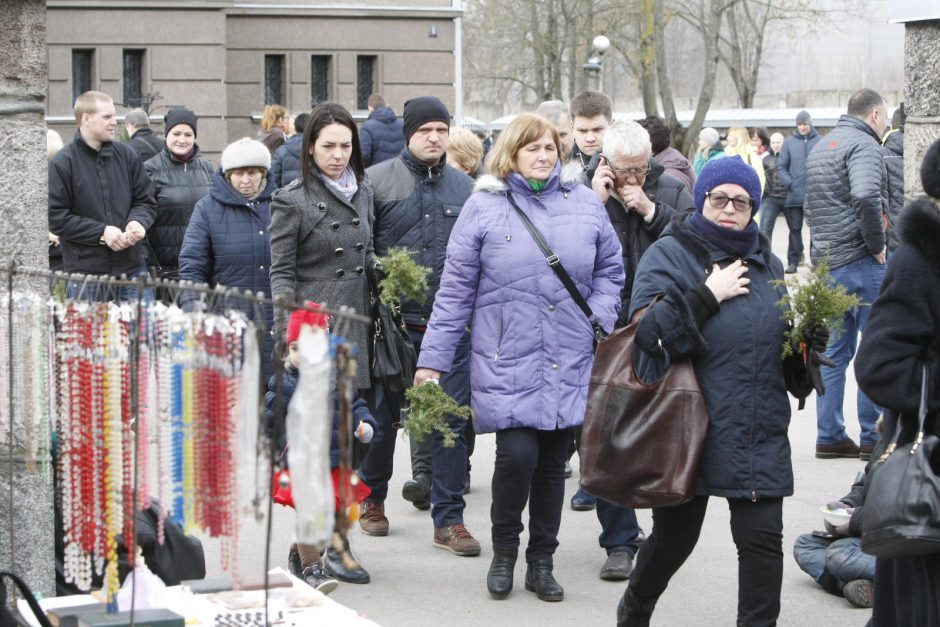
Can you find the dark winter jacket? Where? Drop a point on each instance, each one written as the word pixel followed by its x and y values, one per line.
pixel 178 186
pixel 89 190
pixel 277 429
pixel 846 194
pixel 416 206
pixel 146 144
pixel 791 165
pixel 285 165
pixel 382 137
pixel 272 139
pixel 321 245
pixel 635 234
pixel 735 351
pixel 902 333
pixel 227 243
pixel 774 187
pixel 893 149
pixel 677 166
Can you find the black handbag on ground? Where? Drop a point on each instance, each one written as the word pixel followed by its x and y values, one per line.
pixel 394 358
pixel 555 263
pixel 7 618
pixel 901 517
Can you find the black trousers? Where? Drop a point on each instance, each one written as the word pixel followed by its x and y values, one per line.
pixel 757 530
pixel 530 467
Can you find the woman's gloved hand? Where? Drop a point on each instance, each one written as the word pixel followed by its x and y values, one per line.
pixel 814 344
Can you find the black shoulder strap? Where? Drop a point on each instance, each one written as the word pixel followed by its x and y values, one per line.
pixel 553 261
pixel 27 594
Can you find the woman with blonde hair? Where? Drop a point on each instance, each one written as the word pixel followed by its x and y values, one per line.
pixel 275 125
pixel 465 151
pixel 739 143
pixel 532 344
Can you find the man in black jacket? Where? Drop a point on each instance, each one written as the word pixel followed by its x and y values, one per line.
pixel 641 199
pixel 142 139
pixel 418 198
pixel 791 172
pixel 101 202
pixel 846 201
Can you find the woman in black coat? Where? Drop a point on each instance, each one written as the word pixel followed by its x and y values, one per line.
pixel 903 334
pixel 719 310
pixel 180 178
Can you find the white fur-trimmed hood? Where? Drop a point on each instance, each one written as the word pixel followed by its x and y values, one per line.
pixel 571 174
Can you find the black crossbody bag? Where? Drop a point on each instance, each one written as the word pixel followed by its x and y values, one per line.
pixel 555 264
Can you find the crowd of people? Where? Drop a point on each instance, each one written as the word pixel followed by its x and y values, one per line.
pixel 302 212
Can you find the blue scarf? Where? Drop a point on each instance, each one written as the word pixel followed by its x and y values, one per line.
pixel 735 243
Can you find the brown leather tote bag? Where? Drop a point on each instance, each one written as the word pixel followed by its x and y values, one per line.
pixel 641 443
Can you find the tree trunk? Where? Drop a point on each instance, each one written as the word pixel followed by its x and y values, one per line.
pixel 648 56
pixel 711 27
pixel 662 75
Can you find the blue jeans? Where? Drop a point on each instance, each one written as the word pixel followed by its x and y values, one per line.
pixel 770 208
pixel 102 292
pixel 843 559
pixel 448 465
pixel 619 527
pixel 861 277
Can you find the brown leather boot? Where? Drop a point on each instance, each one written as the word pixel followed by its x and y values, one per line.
pixel 372 519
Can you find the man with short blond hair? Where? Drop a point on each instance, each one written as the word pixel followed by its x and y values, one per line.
pixel 101 201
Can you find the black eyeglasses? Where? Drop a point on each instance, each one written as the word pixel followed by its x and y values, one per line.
pixel 719 201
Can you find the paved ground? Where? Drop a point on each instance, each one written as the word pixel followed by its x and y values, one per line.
pixel 415 584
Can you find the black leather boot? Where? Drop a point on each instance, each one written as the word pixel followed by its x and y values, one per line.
pixel 343 566
pixel 499 577
pixel 633 612
pixel 539 579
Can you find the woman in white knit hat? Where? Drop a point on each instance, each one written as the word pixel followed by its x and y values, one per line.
pixel 227 241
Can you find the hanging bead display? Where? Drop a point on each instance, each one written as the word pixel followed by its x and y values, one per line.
pixel 142 400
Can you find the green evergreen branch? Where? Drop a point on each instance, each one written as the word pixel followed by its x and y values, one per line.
pixel 404 279
pixel 430 406
pixel 817 301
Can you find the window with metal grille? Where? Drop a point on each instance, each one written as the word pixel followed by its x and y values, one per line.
pixel 319 79
pixel 365 80
pixel 82 65
pixel 273 79
pixel 133 78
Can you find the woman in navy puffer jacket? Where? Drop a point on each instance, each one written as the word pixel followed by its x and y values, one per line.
pixel 227 241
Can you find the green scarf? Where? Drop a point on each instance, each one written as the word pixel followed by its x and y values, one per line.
pixel 536 186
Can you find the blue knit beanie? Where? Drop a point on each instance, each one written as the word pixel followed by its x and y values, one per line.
pixel 730 169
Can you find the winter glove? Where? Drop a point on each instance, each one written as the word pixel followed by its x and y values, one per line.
pixel 364 432
pixel 813 346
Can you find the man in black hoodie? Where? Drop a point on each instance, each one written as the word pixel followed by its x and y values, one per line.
pixel 101 201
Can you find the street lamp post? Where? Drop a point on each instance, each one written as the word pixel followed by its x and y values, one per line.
pixel 593 69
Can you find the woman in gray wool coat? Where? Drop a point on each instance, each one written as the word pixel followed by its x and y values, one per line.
pixel 321 227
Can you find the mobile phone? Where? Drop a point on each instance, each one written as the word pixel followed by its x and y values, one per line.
pixel 823 534
pixel 602 160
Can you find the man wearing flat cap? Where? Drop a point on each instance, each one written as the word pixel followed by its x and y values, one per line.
pixel 418 198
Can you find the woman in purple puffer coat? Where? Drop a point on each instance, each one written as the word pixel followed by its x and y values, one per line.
pixel 531 344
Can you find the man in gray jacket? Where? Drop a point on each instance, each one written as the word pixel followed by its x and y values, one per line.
pixel 846 203
pixel 418 198
pixel 791 173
